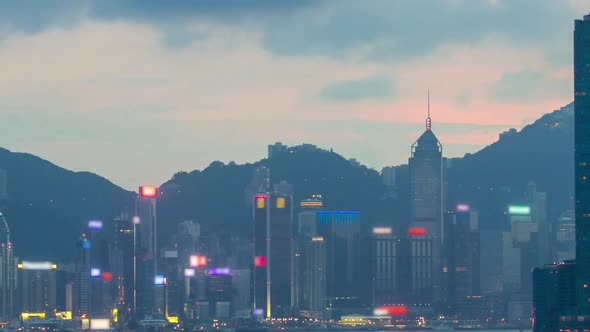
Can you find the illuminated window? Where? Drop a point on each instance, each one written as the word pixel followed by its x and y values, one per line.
pixel 260 202
pixel 281 203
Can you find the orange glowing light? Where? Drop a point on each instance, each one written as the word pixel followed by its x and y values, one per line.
pixel 148 191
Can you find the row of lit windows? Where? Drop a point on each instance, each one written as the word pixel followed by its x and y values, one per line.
pixel 280 202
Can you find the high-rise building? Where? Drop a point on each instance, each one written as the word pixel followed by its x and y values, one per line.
pixel 173 300
pixel 341 231
pixel 272 215
pixel 123 262
pixel 582 157
pixel 554 294
pixel 387 266
pixel 304 230
pixel 7 272
pixel 460 257
pixel 219 289
pixel 426 200
pixel 37 286
pixel 101 277
pixel 146 249
pixel 81 281
pixel 314 279
pixel 538 203
pixel 565 236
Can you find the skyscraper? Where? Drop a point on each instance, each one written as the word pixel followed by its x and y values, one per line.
pixel 305 230
pixel 554 293
pixel 146 249
pixel 426 201
pixel 272 216
pixel 7 271
pixel 81 282
pixel 582 157
pixel 341 231
pixel 37 286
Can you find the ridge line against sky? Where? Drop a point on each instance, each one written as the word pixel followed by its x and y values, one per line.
pixel 138 90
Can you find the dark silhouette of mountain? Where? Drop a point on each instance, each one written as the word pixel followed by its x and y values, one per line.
pixel 497 175
pixel 48 206
pixel 489 180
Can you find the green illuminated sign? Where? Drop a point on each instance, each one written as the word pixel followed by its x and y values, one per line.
pixel 520 210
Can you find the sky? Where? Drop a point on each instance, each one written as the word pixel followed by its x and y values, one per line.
pixel 138 90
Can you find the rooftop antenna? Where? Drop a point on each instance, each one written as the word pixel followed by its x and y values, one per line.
pixel 428 120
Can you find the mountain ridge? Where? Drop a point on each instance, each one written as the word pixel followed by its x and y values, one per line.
pixel 49 205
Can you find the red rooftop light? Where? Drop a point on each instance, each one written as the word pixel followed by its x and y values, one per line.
pixel 417 231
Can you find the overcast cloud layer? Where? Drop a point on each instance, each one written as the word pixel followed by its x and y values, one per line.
pixel 137 90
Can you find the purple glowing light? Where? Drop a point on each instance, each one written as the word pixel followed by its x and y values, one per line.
pixel 219 271
pixel 95 224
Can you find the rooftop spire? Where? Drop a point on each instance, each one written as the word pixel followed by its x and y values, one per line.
pixel 428 120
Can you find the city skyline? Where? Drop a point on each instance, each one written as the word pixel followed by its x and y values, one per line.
pixel 194 83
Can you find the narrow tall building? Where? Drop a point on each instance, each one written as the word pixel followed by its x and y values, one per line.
pixel 7 272
pixel 146 249
pixel 582 157
pixel 341 231
pixel 272 216
pixel 426 200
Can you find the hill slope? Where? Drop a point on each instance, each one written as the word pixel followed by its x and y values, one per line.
pixel 48 206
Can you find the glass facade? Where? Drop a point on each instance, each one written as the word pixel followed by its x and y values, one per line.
pixel 582 156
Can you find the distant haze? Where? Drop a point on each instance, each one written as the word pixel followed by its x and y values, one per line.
pixel 136 91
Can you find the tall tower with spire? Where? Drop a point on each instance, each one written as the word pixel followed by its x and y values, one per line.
pixel 426 202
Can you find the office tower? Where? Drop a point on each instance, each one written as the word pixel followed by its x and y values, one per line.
pixel 81 280
pixel 565 237
pixel 582 157
pixel 426 201
pixel 146 249
pixel 7 272
pixel 123 262
pixel 387 285
pixel 524 234
pixel 460 257
pixel 101 290
pixel 219 290
pixel 341 231
pixel 37 286
pixel 538 203
pixel 305 229
pixel 272 214
pixel 554 293
pixel 173 297
pixel 314 278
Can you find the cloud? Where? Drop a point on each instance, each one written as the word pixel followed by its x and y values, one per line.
pixel 373 87
pixel 530 84
pixel 383 30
